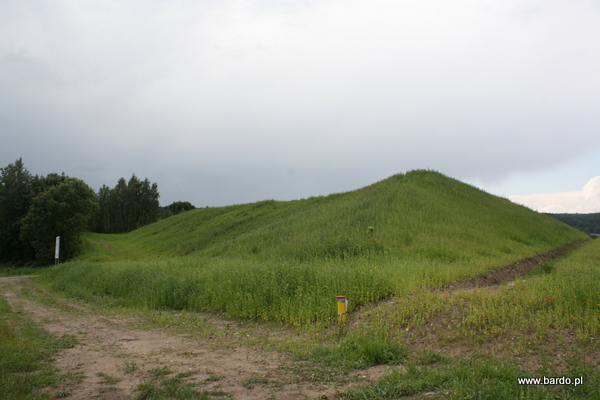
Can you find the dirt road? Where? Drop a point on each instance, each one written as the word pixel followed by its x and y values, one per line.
pixel 115 353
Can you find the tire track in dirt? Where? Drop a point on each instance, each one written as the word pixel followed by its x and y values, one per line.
pixel 116 346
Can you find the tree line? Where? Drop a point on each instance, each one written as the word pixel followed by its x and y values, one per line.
pixel 128 206
pixel 35 209
pixel 589 223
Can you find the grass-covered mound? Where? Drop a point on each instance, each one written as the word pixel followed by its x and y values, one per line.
pixel 288 260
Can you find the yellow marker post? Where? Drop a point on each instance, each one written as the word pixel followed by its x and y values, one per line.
pixel 342 307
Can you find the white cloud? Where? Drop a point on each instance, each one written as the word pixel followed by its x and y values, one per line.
pixel 584 201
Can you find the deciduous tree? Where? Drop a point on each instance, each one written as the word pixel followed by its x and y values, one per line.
pixel 16 193
pixel 128 206
pixel 62 210
pixel 180 206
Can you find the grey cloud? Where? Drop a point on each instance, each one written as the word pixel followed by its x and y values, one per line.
pixel 217 101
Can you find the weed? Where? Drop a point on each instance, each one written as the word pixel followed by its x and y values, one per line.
pixel 251 382
pixel 108 379
pixel 160 371
pixel 66 341
pixel 548 267
pixel 130 367
pixel 161 387
pixel 360 351
pixel 316 372
pixel 185 374
pixel 428 357
pixel 214 378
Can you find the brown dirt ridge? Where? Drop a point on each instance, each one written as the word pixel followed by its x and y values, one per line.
pixel 509 273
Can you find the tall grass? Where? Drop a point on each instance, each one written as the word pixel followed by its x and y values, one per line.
pixel 294 293
pixel 561 296
pixel 287 261
pixel 564 296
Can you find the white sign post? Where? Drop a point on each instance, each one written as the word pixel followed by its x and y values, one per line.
pixel 57 251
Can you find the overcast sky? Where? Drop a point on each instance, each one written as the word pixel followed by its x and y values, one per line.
pixel 225 102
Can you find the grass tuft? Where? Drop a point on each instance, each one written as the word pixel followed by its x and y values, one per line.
pixel 363 351
pixel 162 387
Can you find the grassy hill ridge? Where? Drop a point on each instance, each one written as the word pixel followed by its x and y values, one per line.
pixel 286 261
pixel 420 214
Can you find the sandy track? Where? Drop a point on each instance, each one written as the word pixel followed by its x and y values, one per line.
pixel 117 346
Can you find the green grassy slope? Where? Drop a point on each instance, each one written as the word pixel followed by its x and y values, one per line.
pixel 287 260
pixel 421 214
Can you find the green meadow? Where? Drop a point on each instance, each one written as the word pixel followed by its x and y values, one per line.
pixel 386 247
pixel 287 260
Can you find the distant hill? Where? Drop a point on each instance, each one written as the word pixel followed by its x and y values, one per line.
pixel 420 215
pixel 589 223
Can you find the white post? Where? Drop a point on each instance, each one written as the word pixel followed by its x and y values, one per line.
pixel 57 251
